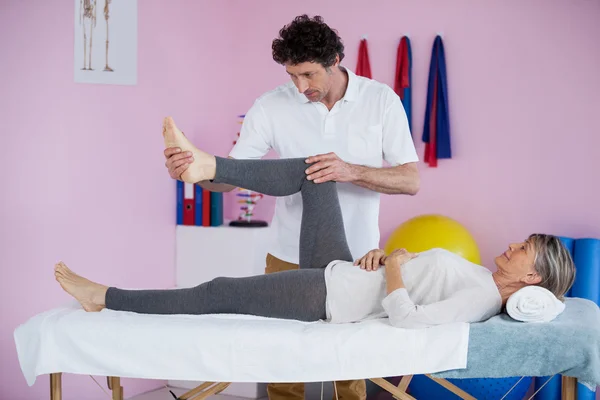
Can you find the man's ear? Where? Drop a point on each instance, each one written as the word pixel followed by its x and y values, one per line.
pixel 337 60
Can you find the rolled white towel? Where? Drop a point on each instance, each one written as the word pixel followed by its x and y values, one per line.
pixel 534 304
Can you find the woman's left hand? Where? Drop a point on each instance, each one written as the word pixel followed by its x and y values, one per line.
pixel 372 260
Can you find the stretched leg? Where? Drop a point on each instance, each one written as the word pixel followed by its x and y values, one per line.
pixel 298 295
pixel 322 234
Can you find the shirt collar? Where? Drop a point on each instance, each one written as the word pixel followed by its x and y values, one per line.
pixel 352 89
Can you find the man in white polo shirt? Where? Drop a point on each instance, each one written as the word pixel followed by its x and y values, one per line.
pixel 347 126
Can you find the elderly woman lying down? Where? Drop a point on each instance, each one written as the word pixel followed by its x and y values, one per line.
pixel 414 290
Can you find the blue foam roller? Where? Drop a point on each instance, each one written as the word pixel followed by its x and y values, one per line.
pixel 552 390
pixel 587 285
pixel 587 263
pixel 422 387
pixel 583 393
pixel 570 245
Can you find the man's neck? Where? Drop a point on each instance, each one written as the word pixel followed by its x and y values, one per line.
pixel 338 88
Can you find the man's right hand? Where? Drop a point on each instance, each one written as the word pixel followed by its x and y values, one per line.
pixel 177 161
pixel 372 260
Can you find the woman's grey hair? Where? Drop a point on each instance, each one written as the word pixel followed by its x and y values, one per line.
pixel 554 264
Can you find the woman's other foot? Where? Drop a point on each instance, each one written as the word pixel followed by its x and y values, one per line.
pixel 90 295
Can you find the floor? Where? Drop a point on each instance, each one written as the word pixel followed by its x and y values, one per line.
pixel 163 394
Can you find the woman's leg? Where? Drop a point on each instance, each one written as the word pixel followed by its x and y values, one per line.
pixel 296 295
pixel 322 234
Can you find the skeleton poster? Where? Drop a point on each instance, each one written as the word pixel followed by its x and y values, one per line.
pixel 106 41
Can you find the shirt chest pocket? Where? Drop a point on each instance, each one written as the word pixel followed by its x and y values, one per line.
pixel 364 142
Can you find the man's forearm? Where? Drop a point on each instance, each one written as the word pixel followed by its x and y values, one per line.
pixel 215 187
pixel 401 179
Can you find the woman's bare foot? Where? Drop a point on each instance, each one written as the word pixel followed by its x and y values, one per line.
pixel 90 295
pixel 204 165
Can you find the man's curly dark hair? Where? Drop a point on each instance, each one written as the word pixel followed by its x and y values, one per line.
pixel 307 39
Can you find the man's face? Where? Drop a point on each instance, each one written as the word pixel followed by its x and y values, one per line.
pixel 311 79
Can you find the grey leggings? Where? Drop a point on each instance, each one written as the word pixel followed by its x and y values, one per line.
pixel 298 294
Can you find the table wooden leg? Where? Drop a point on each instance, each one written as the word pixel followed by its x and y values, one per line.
pixel 404 382
pixel 115 386
pixel 392 389
pixel 56 386
pixel 205 391
pixel 453 388
pixel 569 388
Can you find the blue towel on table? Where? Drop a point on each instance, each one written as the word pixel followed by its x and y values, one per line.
pixel 569 345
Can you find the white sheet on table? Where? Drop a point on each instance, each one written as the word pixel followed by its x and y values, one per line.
pixel 230 348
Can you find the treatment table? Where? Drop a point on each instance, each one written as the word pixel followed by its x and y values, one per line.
pixel 219 349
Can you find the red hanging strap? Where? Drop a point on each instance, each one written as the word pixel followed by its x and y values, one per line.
pixel 363 66
pixel 402 67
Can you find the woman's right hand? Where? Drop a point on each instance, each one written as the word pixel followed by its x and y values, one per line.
pixel 372 260
pixel 399 257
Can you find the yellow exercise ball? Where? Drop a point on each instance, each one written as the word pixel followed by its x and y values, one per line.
pixel 433 230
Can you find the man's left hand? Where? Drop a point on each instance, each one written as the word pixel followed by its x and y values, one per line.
pixel 329 167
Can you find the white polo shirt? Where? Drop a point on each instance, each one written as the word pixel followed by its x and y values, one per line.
pixel 365 127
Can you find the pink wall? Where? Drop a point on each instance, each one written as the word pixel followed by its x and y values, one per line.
pixel 84 172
